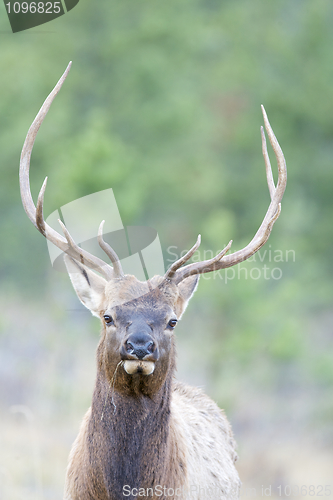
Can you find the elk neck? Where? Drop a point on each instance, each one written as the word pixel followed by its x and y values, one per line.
pixel 130 441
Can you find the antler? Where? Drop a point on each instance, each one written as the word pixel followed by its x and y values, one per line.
pixel 176 273
pixel 35 214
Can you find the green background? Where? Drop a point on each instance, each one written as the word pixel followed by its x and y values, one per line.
pixel 163 105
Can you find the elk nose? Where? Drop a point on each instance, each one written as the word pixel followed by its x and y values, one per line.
pixel 139 346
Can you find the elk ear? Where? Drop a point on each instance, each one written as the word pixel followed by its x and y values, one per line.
pixel 186 288
pixel 88 285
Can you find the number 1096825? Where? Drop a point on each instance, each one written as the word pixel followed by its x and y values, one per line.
pixel 34 7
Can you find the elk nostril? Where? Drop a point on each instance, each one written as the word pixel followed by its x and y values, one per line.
pixel 129 347
pixel 150 346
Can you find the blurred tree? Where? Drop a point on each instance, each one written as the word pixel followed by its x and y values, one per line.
pixel 163 105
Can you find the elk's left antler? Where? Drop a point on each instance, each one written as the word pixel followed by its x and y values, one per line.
pixel 176 273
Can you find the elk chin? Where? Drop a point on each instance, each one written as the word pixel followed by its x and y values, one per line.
pixel 133 366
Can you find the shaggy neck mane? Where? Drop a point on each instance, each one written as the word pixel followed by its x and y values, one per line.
pixel 130 442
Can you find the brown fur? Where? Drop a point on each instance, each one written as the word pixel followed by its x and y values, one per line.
pixel 164 439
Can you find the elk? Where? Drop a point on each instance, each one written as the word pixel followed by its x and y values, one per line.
pixel 146 434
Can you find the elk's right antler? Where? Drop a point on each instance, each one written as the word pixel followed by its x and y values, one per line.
pixel 35 214
pixel 176 273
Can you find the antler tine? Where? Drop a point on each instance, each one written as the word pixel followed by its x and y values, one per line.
pixel 281 162
pixel 39 209
pixel 117 269
pixel 35 214
pixel 266 226
pixel 200 267
pixel 84 257
pixel 27 200
pixel 269 174
pixel 176 265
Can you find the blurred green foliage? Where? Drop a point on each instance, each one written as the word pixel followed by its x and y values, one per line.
pixel 163 105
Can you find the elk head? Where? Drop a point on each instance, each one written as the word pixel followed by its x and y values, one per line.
pixel 138 318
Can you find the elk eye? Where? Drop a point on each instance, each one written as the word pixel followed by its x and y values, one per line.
pixel 172 323
pixel 108 319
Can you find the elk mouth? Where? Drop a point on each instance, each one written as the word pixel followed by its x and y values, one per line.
pixel 133 366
